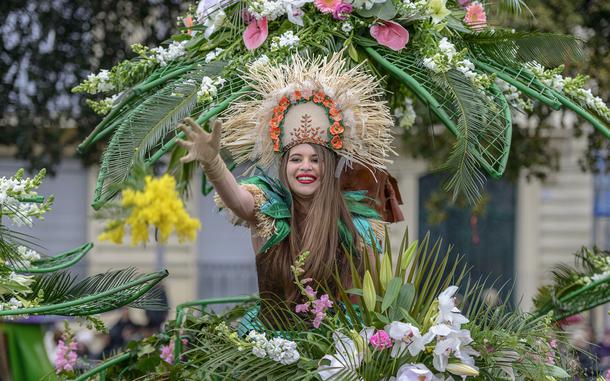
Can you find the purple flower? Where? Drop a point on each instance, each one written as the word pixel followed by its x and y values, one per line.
pixel 167 353
pixel 310 292
pixel 381 340
pixel 342 11
pixel 300 308
pixel 463 3
pixel 319 305
pixel 318 319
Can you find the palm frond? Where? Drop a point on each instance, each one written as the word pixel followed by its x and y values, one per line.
pixel 145 128
pixel 63 295
pixel 54 263
pixel 514 7
pixel 508 47
pixel 480 120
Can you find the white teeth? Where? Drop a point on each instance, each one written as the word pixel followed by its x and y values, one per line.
pixel 305 178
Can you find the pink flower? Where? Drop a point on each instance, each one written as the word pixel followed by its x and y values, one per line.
pixel 256 33
pixel 342 11
pixel 318 319
pixel 553 343
pixel 475 16
pixel 390 34
pixel 463 3
pixel 310 292
pixel 319 305
pixel 167 352
pixel 608 375
pixel 306 280
pixel 65 356
pixel 326 6
pixel 381 340
pixel 300 308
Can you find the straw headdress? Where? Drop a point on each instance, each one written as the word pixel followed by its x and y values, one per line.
pixel 316 100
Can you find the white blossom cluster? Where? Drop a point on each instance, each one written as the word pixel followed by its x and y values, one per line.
pixel 406 114
pixel 165 55
pixel 100 82
pixel 286 40
pixel 20 213
pixel 347 27
pixel 571 87
pixel 413 6
pixel 211 56
pixel 513 96
pixel 209 88
pixel 12 304
pixel 27 255
pixel 447 58
pixel 278 349
pixel 261 61
pixel 271 9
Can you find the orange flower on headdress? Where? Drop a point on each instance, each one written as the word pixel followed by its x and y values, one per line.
pixel 335 114
pixel 336 128
pixel 297 95
pixel 336 142
pixel 284 102
pixel 319 97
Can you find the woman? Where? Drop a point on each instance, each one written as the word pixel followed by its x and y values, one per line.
pixel 309 116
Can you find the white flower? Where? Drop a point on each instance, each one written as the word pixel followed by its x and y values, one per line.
pixel 14 303
pixel 211 56
pixel 451 342
pixel 448 312
pixel 414 372
pixel 447 47
pixel 294 11
pixel 205 8
pixel 283 351
pixel 214 22
pixel 348 354
pixel 288 39
pixel 165 55
pixel 261 61
pixel 346 27
pixel 406 337
pixel 430 64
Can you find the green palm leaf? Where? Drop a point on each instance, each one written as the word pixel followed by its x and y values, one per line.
pixel 508 47
pixel 63 295
pixel 480 120
pixel 58 262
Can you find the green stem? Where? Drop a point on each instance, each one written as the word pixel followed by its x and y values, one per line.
pixel 553 103
pixel 105 365
pixel 35 199
pixel 75 303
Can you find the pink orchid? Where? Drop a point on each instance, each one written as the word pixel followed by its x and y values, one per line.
pixel 167 353
pixel 342 11
pixel 390 34
pixel 300 308
pixel 65 356
pixel 326 6
pixel 310 292
pixel 381 340
pixel 318 319
pixel 256 33
pixel 475 16
pixel 319 305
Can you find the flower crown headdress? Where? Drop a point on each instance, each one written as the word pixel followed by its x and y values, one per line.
pixel 318 101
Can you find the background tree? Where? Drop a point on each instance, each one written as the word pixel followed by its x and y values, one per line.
pixel 48 47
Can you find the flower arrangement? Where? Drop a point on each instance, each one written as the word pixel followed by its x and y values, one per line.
pixel 407 323
pixel 442 53
pixel 156 205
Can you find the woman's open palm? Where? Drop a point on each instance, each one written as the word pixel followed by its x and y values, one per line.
pixel 200 146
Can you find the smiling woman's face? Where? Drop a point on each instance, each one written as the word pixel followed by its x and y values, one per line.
pixel 303 170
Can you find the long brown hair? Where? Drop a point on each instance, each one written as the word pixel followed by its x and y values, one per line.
pixel 316 230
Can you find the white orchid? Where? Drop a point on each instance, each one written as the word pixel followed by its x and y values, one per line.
pixel 450 342
pixel 214 22
pixel 349 354
pixel 406 337
pixel 294 11
pixel 414 372
pixel 448 312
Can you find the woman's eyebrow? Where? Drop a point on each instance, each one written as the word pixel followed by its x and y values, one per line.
pixel 294 155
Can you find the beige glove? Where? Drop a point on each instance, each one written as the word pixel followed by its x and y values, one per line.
pixel 203 147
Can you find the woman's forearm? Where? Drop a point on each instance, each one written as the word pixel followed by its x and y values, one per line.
pixel 234 196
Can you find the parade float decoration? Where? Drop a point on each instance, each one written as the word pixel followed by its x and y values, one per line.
pixel 36 284
pixel 406 323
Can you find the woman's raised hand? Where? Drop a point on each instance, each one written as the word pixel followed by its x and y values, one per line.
pixel 201 146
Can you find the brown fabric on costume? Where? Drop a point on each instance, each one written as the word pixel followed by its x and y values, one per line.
pixel 381 187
